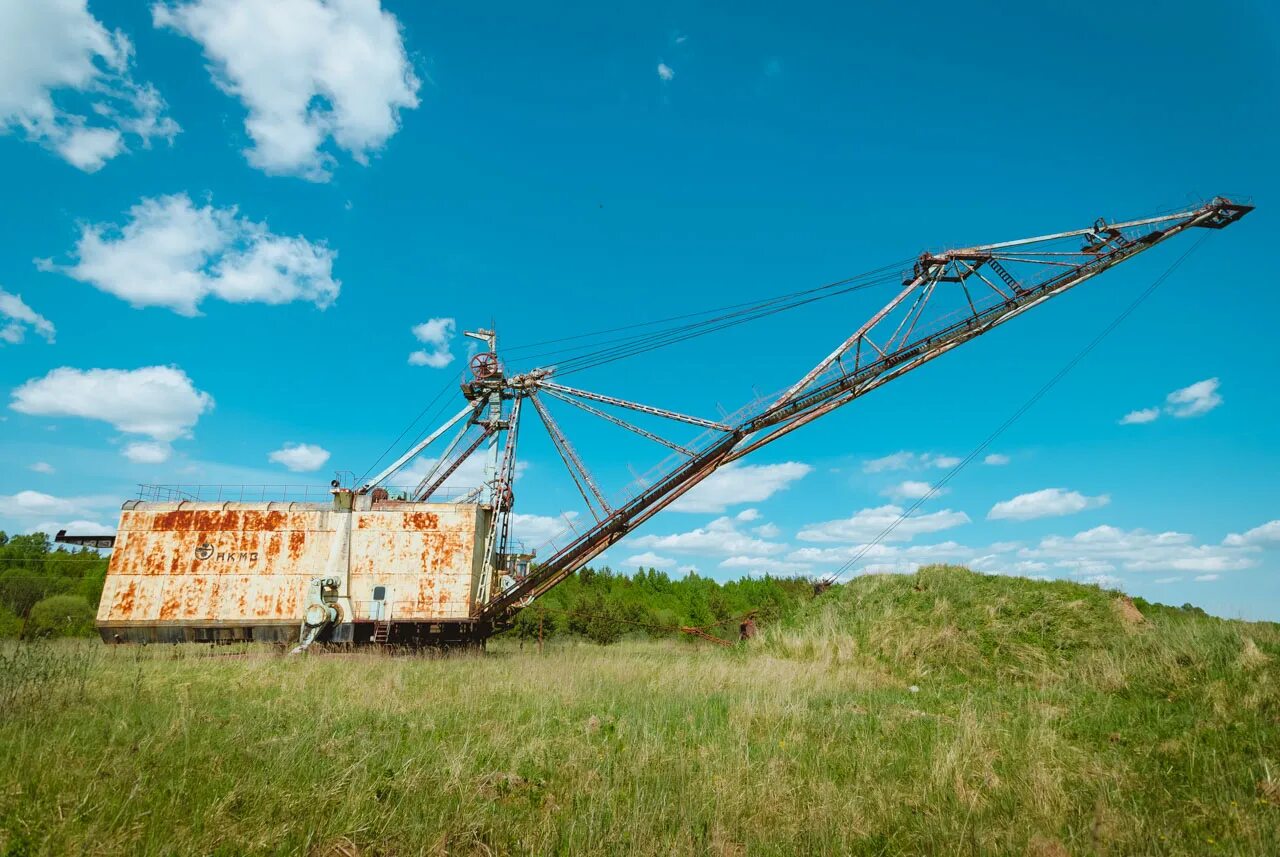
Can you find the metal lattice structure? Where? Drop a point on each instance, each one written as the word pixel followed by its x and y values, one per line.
pixel 947 299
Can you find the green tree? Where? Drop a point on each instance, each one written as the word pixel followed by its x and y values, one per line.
pixel 61 616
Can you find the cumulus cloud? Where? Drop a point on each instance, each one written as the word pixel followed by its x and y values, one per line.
pixel 312 74
pixel 884 558
pixel 1139 417
pixel 300 457
pixel 437 335
pixel 148 452
pixel 649 559
pixel 1190 401
pixel 1105 548
pixel 904 460
pixel 160 402
pixel 66 83
pixel 740 483
pixel 721 536
pixel 765 565
pixel 535 530
pixel 36 505
pixel 1045 503
pixel 1267 534
pixel 1194 399
pixel 21 318
pixel 912 490
pixel 172 253
pixel 470 474
pixel 665 72
pixel 996 459
pixel 79 528
pixel 866 524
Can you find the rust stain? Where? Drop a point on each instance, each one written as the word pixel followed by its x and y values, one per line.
pixel 125 600
pixel 421 521
pixel 296 540
pixel 259 562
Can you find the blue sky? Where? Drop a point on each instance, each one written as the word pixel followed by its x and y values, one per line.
pixel 245 208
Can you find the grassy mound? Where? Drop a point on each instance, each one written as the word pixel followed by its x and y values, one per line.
pixel 938 713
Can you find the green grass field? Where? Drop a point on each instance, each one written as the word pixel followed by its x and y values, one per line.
pixel 939 713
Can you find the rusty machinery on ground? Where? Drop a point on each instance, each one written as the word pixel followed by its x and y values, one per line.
pixel 409 567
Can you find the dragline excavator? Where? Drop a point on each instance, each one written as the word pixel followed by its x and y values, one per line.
pixel 947 299
pixel 384 565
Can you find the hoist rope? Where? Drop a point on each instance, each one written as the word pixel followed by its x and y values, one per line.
pixel 1026 406
pixel 747 305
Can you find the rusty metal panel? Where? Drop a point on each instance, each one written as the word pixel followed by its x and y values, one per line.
pixel 249 565
pixel 426 556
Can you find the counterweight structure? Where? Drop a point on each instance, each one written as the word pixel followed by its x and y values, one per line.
pixel 947 299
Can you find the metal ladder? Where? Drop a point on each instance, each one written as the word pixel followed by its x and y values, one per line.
pixel 382 627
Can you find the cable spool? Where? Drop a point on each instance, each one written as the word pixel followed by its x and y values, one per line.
pixel 485 365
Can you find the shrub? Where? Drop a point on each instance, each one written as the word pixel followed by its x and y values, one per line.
pixel 61 616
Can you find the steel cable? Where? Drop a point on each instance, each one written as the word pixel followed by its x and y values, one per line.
pixel 1026 406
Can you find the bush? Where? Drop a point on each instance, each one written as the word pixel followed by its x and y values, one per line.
pixel 61 616
pixel 10 624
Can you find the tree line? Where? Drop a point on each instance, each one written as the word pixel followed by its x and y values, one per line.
pixel 605 606
pixel 48 590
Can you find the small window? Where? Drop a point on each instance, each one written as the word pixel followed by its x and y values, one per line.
pixel 379 593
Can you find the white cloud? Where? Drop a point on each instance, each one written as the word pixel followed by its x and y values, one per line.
pixel 867 524
pixel 535 530
pixel 1190 401
pixel 41 467
pixel 300 457
pixel 310 73
pixel 765 565
pixel 912 490
pixel 748 515
pixel 66 83
pixel 1145 415
pixel 885 558
pixel 721 536
pixel 740 483
pixel 896 461
pixel 1164 580
pixel 437 334
pixel 157 401
pixel 1206 578
pixel 1107 547
pixel 148 452
pixel 1195 399
pixel 904 460
pixel 996 459
pixel 174 254
pixel 20 318
pixel 665 71
pixel 77 528
pixel 649 559
pixel 469 474
pixel 1267 534
pixel 1044 504
pixel 37 504
pixel 767 531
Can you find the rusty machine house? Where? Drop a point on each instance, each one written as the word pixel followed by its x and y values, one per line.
pixel 368 564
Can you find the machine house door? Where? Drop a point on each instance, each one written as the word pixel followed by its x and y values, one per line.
pixel 379 612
